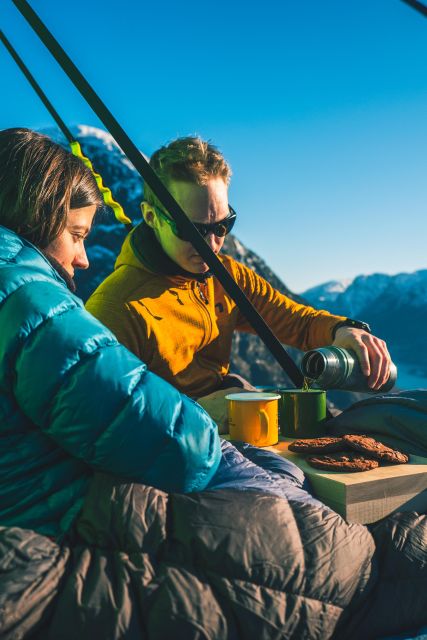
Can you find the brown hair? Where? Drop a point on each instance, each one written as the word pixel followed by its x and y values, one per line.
pixel 39 183
pixel 189 159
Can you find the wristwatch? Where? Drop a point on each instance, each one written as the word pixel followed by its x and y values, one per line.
pixel 356 324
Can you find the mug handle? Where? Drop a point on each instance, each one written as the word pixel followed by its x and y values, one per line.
pixel 263 418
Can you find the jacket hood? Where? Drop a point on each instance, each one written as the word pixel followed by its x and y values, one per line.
pixel 142 250
pixel 127 256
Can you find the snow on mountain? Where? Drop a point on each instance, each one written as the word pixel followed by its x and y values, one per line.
pixel 88 137
pixel 411 288
pixel 363 292
pixel 86 131
pixel 109 160
pixel 353 297
pixel 327 292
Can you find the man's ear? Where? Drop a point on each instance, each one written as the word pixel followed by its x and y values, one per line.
pixel 148 214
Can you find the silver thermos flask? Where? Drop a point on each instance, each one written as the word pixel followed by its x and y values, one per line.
pixel 336 368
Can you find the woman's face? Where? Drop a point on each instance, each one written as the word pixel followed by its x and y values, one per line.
pixel 68 248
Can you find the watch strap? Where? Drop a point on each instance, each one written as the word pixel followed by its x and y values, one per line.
pixel 349 322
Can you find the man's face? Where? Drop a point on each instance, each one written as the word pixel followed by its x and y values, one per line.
pixel 204 204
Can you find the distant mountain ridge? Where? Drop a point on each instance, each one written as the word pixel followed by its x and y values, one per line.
pixel 351 297
pixel 396 308
pixel 329 291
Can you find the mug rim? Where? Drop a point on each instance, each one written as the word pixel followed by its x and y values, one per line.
pixel 253 396
pixel 301 390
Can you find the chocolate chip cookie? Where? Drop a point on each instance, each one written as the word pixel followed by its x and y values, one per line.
pixel 346 461
pixel 375 449
pixel 317 445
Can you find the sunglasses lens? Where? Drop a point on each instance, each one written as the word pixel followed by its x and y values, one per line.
pixel 229 223
pixel 222 228
pixel 219 229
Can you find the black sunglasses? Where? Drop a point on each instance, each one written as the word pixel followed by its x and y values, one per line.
pixel 220 228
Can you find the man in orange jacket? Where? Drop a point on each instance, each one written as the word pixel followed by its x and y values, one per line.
pixel 162 303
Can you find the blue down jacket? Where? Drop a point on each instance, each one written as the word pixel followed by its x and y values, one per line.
pixel 254 557
pixel 73 400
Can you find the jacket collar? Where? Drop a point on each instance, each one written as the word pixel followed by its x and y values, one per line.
pixel 142 249
pixel 15 248
pixel 69 281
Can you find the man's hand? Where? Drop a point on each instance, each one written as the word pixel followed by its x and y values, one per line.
pixel 216 405
pixel 372 353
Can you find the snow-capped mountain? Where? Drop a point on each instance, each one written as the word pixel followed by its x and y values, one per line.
pixel 328 292
pixel 348 297
pixel 353 297
pixel 117 171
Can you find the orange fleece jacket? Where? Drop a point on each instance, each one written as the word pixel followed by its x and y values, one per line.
pixel 183 329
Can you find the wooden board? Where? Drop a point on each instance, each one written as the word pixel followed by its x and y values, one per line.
pixel 366 496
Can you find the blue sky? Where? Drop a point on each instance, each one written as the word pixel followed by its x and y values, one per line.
pixel 320 107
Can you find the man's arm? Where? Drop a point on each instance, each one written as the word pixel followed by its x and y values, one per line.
pixel 294 324
pixel 307 328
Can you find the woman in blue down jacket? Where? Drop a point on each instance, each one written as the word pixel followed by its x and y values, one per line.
pixel 72 399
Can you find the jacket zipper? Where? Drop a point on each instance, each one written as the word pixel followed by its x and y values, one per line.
pixel 202 302
pixel 201 293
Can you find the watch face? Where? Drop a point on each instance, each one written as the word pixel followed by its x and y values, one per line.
pixel 358 324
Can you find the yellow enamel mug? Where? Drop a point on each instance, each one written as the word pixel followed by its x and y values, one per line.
pixel 253 418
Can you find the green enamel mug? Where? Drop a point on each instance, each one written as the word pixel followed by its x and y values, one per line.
pixel 302 413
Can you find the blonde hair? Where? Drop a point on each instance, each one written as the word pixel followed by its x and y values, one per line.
pixel 188 159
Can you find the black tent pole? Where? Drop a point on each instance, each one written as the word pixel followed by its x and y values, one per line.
pixel 41 94
pixel 166 199
pixel 418 6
